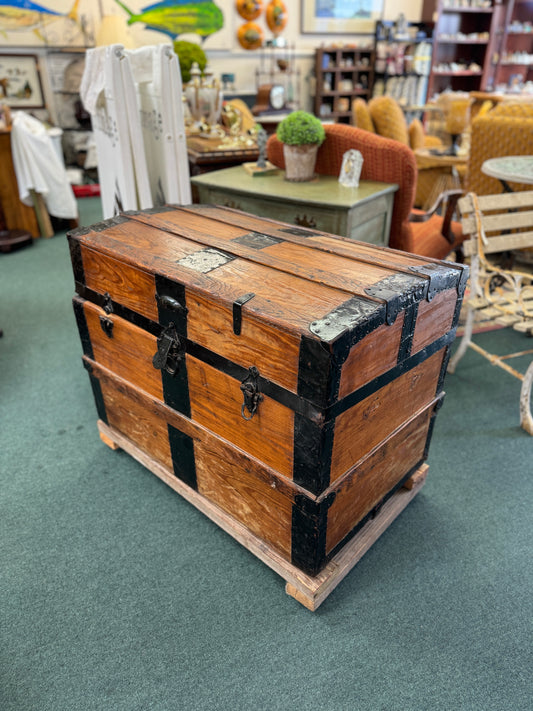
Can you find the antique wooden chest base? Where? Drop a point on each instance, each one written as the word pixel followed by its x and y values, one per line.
pixel 310 591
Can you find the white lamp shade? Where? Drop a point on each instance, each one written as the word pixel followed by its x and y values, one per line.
pixel 113 30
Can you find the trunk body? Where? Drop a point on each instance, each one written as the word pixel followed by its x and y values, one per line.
pixel 288 376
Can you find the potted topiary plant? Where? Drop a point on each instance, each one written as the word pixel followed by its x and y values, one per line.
pixel 301 134
pixel 188 53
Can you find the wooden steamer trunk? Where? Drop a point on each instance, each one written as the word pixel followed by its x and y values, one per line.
pixel 283 380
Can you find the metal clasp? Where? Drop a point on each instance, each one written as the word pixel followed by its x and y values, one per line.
pixel 107 304
pixel 250 390
pixel 107 326
pixel 169 351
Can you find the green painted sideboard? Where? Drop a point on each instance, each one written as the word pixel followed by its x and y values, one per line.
pixel 362 213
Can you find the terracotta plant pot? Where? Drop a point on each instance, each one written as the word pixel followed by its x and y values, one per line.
pixel 300 162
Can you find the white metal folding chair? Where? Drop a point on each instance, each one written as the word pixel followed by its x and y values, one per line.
pixel 108 93
pixel 157 78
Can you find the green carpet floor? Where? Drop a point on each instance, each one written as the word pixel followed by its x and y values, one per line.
pixel 117 594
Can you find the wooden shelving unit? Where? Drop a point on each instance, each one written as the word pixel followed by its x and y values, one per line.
pixel 403 61
pixel 513 56
pixel 463 42
pixel 342 73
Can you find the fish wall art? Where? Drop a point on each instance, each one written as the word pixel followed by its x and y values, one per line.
pixel 176 18
pixel 74 22
pixel 23 22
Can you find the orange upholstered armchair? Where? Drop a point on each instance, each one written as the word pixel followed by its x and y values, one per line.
pixel 387 161
pixel 383 115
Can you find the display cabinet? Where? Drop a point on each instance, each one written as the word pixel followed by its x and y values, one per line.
pixel 403 61
pixel 463 42
pixel 342 73
pixel 513 57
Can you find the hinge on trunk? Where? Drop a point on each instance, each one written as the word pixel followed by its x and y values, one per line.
pixel 169 351
pixel 250 390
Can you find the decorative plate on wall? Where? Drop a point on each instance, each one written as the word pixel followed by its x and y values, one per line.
pixel 276 16
pixel 249 9
pixel 250 35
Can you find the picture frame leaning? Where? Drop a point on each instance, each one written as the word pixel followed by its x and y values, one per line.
pixel 20 81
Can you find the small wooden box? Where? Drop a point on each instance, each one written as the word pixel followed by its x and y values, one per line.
pixel 288 377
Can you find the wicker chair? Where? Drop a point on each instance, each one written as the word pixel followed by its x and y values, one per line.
pixel 506 130
pixel 425 233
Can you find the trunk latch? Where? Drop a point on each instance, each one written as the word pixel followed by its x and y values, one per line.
pixel 250 390
pixel 169 351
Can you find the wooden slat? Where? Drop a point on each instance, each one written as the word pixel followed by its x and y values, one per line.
pixel 501 201
pixel 321 241
pixel 263 509
pixel 128 285
pixel 507 242
pixel 216 401
pixel 144 427
pixel 500 243
pixel 524 326
pixel 109 442
pixel 434 319
pixel 274 352
pixel 376 475
pixel 362 365
pixel 507 320
pixel 128 352
pixel 369 422
pixel 470 247
pixel 294 259
pixel 296 300
pixel 137 247
pixel 479 302
pixel 499 222
pixel 489 313
pixel 224 449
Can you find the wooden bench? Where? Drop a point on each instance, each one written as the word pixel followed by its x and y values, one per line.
pixel 500 247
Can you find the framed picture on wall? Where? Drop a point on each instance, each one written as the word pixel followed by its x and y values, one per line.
pixel 20 81
pixel 340 16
